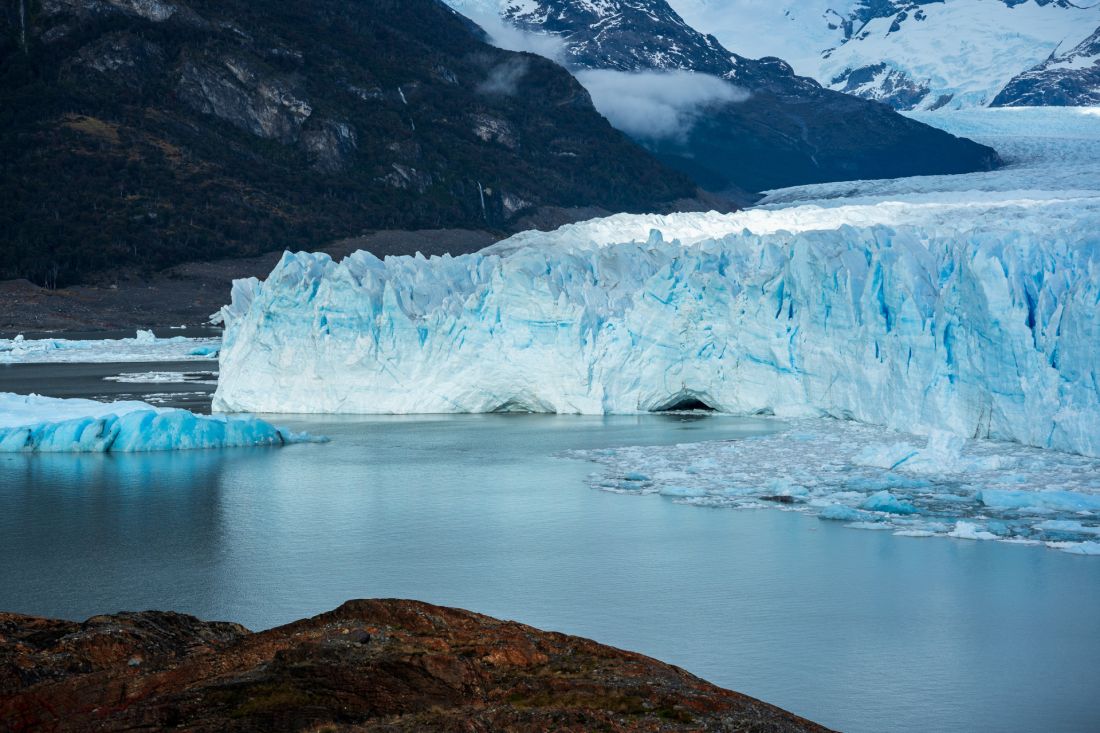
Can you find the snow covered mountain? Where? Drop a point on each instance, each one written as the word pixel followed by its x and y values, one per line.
pixel 783 129
pixel 628 35
pixel 911 54
pixel 1068 79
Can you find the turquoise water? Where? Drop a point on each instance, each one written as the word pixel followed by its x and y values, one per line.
pixel 862 631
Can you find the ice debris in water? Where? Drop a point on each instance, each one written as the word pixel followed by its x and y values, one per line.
pixel 143 347
pixel 35 424
pixel 847 472
pixel 159 377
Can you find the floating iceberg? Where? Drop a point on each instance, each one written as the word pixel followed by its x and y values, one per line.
pixel 47 425
pixel 143 347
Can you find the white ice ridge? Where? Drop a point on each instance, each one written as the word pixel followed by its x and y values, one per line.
pixel 143 347
pixel 977 313
pixel 35 424
pixel 870 478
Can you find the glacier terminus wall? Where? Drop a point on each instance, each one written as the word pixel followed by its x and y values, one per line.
pixel 983 333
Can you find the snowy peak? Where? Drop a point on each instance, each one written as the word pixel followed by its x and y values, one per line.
pixel 910 54
pixel 627 35
pixel 630 36
pixel 1068 79
pixel 786 130
pixel 624 35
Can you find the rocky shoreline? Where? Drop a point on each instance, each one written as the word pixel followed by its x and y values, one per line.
pixel 369 665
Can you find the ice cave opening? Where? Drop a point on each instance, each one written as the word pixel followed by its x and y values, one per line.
pixel 684 402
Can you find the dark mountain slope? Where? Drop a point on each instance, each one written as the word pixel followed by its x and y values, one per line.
pixel 790 131
pixel 157 131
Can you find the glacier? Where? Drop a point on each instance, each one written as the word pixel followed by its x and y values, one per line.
pixel 972 308
pixel 36 424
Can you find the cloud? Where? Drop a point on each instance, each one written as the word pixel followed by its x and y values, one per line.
pixel 504 78
pixel 656 105
pixel 649 105
pixel 506 36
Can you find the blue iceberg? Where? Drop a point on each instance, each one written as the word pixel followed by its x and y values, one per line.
pixel 30 424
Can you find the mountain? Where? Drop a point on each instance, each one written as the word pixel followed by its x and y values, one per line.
pixel 1069 79
pixel 789 130
pixel 910 54
pixel 149 132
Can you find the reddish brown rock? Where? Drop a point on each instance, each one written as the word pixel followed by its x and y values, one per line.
pixel 378 665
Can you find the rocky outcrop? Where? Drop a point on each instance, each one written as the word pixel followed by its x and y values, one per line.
pixel 378 665
pixel 882 84
pixel 238 90
pixel 331 145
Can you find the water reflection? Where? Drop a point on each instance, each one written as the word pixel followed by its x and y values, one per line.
pixel 860 630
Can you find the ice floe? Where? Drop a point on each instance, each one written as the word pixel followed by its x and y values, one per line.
pixel 972 489
pixel 199 377
pixel 35 424
pixel 143 347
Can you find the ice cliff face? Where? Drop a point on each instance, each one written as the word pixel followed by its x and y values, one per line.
pixel 978 330
pixel 976 312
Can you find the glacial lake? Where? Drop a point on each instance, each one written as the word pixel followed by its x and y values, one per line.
pixel 858 630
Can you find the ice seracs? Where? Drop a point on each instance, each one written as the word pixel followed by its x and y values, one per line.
pixel 35 424
pixel 970 326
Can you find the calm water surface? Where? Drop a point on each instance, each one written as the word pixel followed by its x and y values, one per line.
pixel 859 630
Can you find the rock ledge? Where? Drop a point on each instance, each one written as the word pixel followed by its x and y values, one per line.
pixel 370 665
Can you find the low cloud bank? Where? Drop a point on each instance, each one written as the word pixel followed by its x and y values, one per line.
pixel 510 38
pixel 656 105
pixel 648 105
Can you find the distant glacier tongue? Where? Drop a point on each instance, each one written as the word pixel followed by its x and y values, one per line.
pixel 981 321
